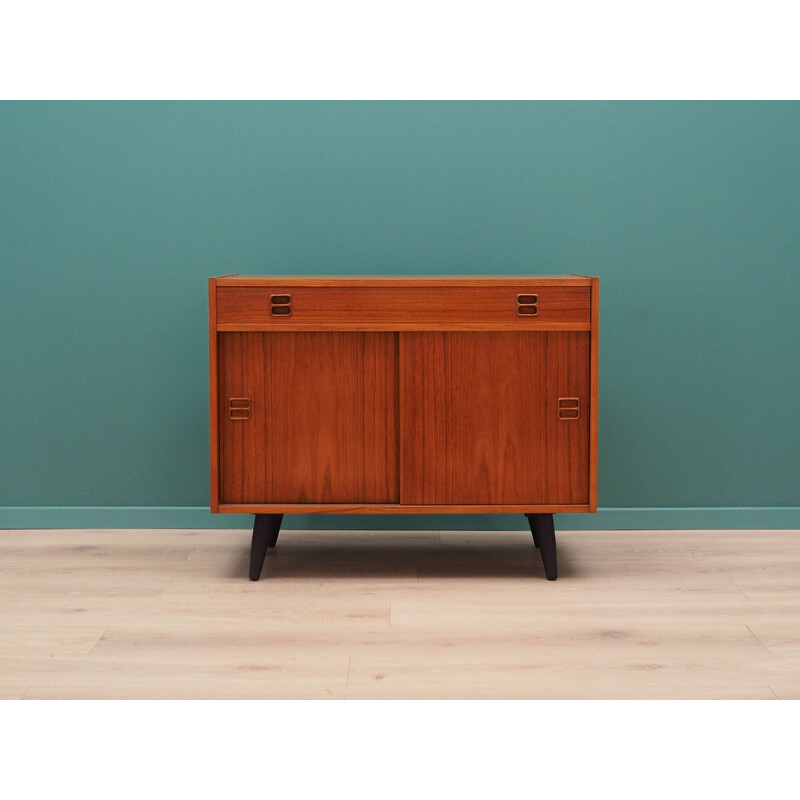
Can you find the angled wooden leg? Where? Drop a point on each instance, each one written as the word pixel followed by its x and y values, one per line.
pixel 544 537
pixel 265 534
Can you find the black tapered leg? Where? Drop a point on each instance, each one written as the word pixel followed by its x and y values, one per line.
pixel 258 547
pixel 265 534
pixel 273 537
pixel 544 537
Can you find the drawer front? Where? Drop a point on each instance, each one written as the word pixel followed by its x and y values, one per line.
pixel 348 306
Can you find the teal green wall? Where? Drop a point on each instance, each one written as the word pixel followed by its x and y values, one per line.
pixel 113 215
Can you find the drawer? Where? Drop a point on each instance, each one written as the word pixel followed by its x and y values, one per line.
pixel 399 307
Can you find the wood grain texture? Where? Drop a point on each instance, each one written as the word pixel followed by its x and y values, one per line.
pixel 456 414
pixel 480 418
pixel 416 305
pixel 146 614
pixel 404 281
pixel 476 325
pixel 323 425
pixel 213 398
pixel 594 394
pixel 406 508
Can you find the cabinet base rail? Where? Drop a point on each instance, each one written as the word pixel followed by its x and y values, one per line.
pixel 266 528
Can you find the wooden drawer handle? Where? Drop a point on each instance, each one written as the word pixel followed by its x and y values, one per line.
pixel 527 305
pixel 280 305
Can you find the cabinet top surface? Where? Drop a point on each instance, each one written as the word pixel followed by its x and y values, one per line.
pixel 401 280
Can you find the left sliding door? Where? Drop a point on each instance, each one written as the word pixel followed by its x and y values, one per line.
pixel 308 417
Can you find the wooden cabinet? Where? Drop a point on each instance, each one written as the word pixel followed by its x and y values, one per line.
pixel 403 395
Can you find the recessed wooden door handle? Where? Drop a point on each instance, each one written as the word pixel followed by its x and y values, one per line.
pixel 239 408
pixel 569 408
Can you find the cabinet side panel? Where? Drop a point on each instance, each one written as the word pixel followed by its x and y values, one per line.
pixel 213 399
pixel 593 420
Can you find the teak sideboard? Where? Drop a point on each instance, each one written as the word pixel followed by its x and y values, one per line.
pixel 403 395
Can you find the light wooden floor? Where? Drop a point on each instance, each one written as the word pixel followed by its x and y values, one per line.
pixel 171 614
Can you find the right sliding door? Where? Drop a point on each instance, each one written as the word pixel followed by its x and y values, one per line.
pixel 494 418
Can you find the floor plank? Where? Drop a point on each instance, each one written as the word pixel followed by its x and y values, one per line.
pixel 396 615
